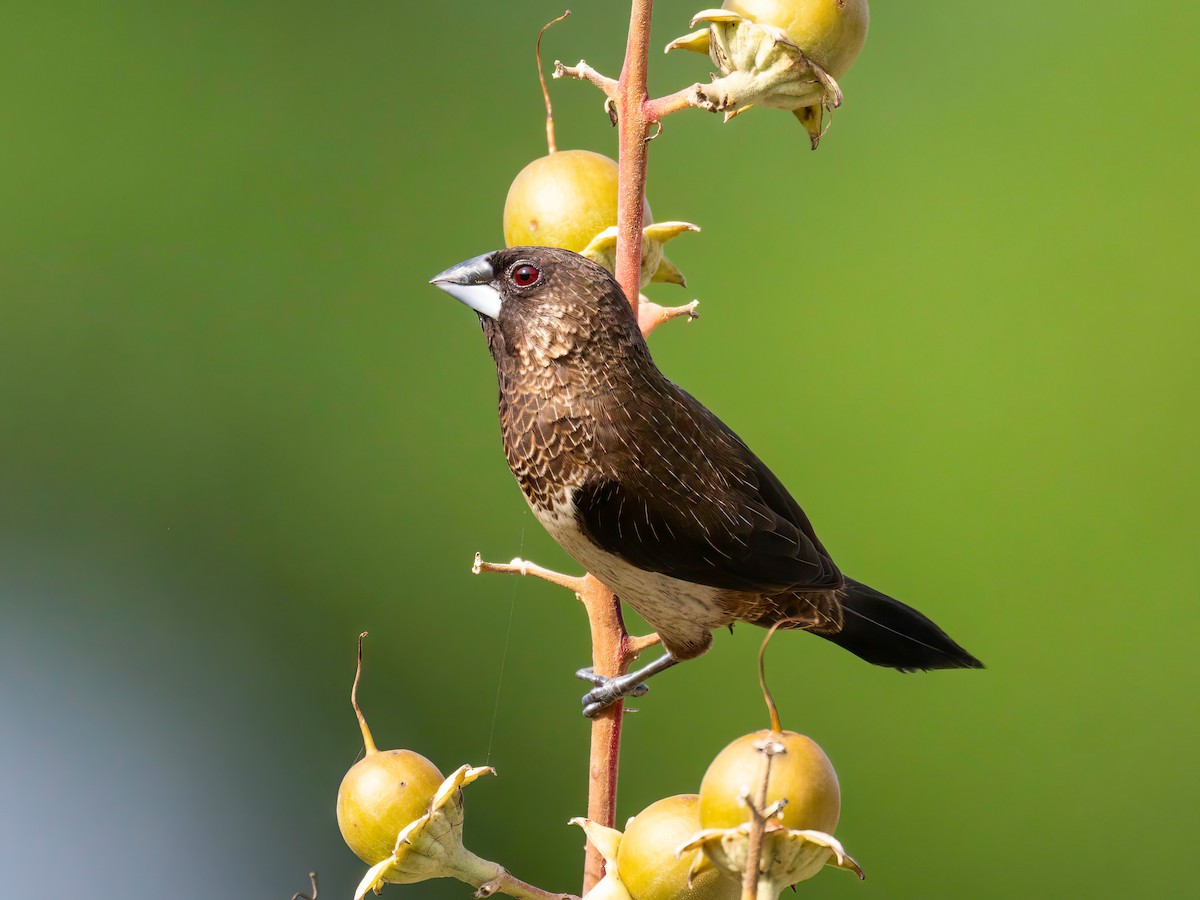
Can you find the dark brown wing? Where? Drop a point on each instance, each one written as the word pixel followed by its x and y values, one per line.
pixel 691 501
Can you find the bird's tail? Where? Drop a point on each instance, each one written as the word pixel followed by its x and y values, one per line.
pixel 885 632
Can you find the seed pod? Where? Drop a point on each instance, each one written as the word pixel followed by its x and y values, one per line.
pixel 568 199
pixel 781 54
pixel 643 863
pixel 801 775
pixel 381 794
pixel 830 32
pixel 647 860
pixel 802 804
pixel 398 814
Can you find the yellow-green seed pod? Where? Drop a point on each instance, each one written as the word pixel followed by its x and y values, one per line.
pixel 647 859
pixel 801 809
pixel 781 54
pixel 562 200
pixel 830 32
pixel 569 200
pixel 398 814
pixel 381 794
pixel 802 775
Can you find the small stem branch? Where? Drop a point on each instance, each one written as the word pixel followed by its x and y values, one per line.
pixel 489 878
pixel 685 98
pixel 312 878
pixel 584 72
pixel 759 814
pixel 523 567
pixel 613 650
pixel 515 887
pixel 634 646
pixel 651 315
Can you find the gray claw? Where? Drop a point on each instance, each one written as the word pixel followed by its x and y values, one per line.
pixel 590 675
pixel 594 709
pixel 607 691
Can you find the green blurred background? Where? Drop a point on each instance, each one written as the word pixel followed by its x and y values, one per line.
pixel 237 427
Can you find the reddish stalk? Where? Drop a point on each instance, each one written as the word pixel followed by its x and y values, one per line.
pixel 608 658
pixel 632 124
pixel 664 106
pixel 612 648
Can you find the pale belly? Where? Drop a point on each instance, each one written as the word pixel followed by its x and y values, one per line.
pixel 684 614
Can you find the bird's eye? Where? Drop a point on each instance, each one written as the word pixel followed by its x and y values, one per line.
pixel 525 275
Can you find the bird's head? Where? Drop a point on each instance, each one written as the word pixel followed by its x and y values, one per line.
pixel 543 304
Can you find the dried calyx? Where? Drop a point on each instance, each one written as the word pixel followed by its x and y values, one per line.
pixel 769 804
pixel 568 199
pixel 401 817
pixel 642 862
pixel 780 54
pixel 800 810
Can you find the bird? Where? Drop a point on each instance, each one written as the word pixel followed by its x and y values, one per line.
pixel 648 490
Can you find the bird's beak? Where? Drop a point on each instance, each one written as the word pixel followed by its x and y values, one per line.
pixel 471 282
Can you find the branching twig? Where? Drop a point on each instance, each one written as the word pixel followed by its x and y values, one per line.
pixel 312 877
pixel 613 651
pixel 584 72
pixel 651 315
pixel 524 567
pixel 769 747
pixel 690 96
pixel 760 814
pixel 507 883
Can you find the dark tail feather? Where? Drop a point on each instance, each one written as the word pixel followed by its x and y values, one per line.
pixel 885 632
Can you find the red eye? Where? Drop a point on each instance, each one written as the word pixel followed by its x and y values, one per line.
pixel 524 276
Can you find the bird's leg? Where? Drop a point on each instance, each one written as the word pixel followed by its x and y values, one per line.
pixel 609 690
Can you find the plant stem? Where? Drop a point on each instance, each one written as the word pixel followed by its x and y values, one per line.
pixel 612 651
pixel 551 144
pixel 757 825
pixel 492 878
pixel 663 106
pixel 632 95
pixel 612 648
pixel 608 658
pixel 752 877
pixel 368 741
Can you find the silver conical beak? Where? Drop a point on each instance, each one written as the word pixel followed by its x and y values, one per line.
pixel 471 283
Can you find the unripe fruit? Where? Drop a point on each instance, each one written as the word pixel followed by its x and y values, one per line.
pixel 830 32
pixel 563 200
pixel 397 813
pixel 381 794
pixel 646 860
pixel 803 775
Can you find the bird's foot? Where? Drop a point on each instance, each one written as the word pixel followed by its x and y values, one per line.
pixel 608 690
